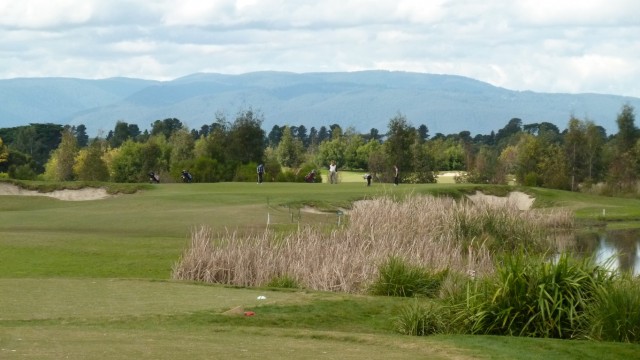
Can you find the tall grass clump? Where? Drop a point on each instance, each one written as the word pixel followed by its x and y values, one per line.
pixel 421 318
pixel 283 281
pixel 615 315
pixel 397 278
pixel 429 234
pixel 531 296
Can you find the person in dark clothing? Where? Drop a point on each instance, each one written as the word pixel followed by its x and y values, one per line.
pixel 367 177
pixel 260 173
pixel 186 176
pixel 153 178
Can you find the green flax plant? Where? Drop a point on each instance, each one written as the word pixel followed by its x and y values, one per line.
pixel 615 315
pixel 535 297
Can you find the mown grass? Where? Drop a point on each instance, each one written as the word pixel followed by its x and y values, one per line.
pixel 84 280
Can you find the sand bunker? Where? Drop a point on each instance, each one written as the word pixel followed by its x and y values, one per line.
pixel 521 200
pixel 83 194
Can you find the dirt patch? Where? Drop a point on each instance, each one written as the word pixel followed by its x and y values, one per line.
pixel 83 194
pixel 521 200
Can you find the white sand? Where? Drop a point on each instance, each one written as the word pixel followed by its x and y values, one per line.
pixel 520 199
pixel 67 195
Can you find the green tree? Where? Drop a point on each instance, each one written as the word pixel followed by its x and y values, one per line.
pixel 423 132
pixel 575 150
pixel 554 168
pixel 313 140
pixel 627 131
pixel 378 162
pixel 272 167
pixel 365 152
pixel 119 135
pixel 80 132
pixel 155 156
pixel 60 164
pixel 4 152
pixel 623 171
pixel 549 133
pixel 37 141
pixel 529 152
pixel 246 142
pixel 290 150
pixel 353 141
pixel 374 134
pixel 126 163
pixel 446 153
pixel 89 163
pixel 335 131
pixel 275 135
pixel 182 145
pixel 166 127
pixel 513 127
pixel 323 134
pixel 216 144
pixel 622 176
pixel 206 169
pixel 422 162
pixel 17 165
pixel 398 144
pixel 488 167
pixel 303 136
pixel 509 159
pixel 595 138
pixel 331 150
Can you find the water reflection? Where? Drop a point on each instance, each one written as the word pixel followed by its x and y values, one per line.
pixel 616 249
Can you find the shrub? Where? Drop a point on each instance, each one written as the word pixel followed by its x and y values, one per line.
pixel 425 177
pixel 531 179
pixel 397 278
pixel 246 173
pixel 420 319
pixel 205 169
pixel 286 176
pixel 283 281
pixel 615 316
pixel 530 296
pixel 22 172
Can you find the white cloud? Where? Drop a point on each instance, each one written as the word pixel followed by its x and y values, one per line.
pixel 42 13
pixel 541 45
pixel 584 12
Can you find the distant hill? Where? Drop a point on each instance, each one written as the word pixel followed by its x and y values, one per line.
pixel 364 100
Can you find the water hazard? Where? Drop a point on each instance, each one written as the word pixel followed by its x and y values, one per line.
pixel 617 249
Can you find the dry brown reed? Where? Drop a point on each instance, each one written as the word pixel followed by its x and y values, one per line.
pixel 435 233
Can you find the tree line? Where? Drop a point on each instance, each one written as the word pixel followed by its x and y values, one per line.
pixel 582 156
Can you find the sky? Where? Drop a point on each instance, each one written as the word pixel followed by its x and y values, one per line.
pixel 586 46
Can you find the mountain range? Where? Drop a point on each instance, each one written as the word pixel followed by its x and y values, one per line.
pixel 363 100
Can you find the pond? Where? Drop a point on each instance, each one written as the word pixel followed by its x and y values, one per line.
pixel 617 249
